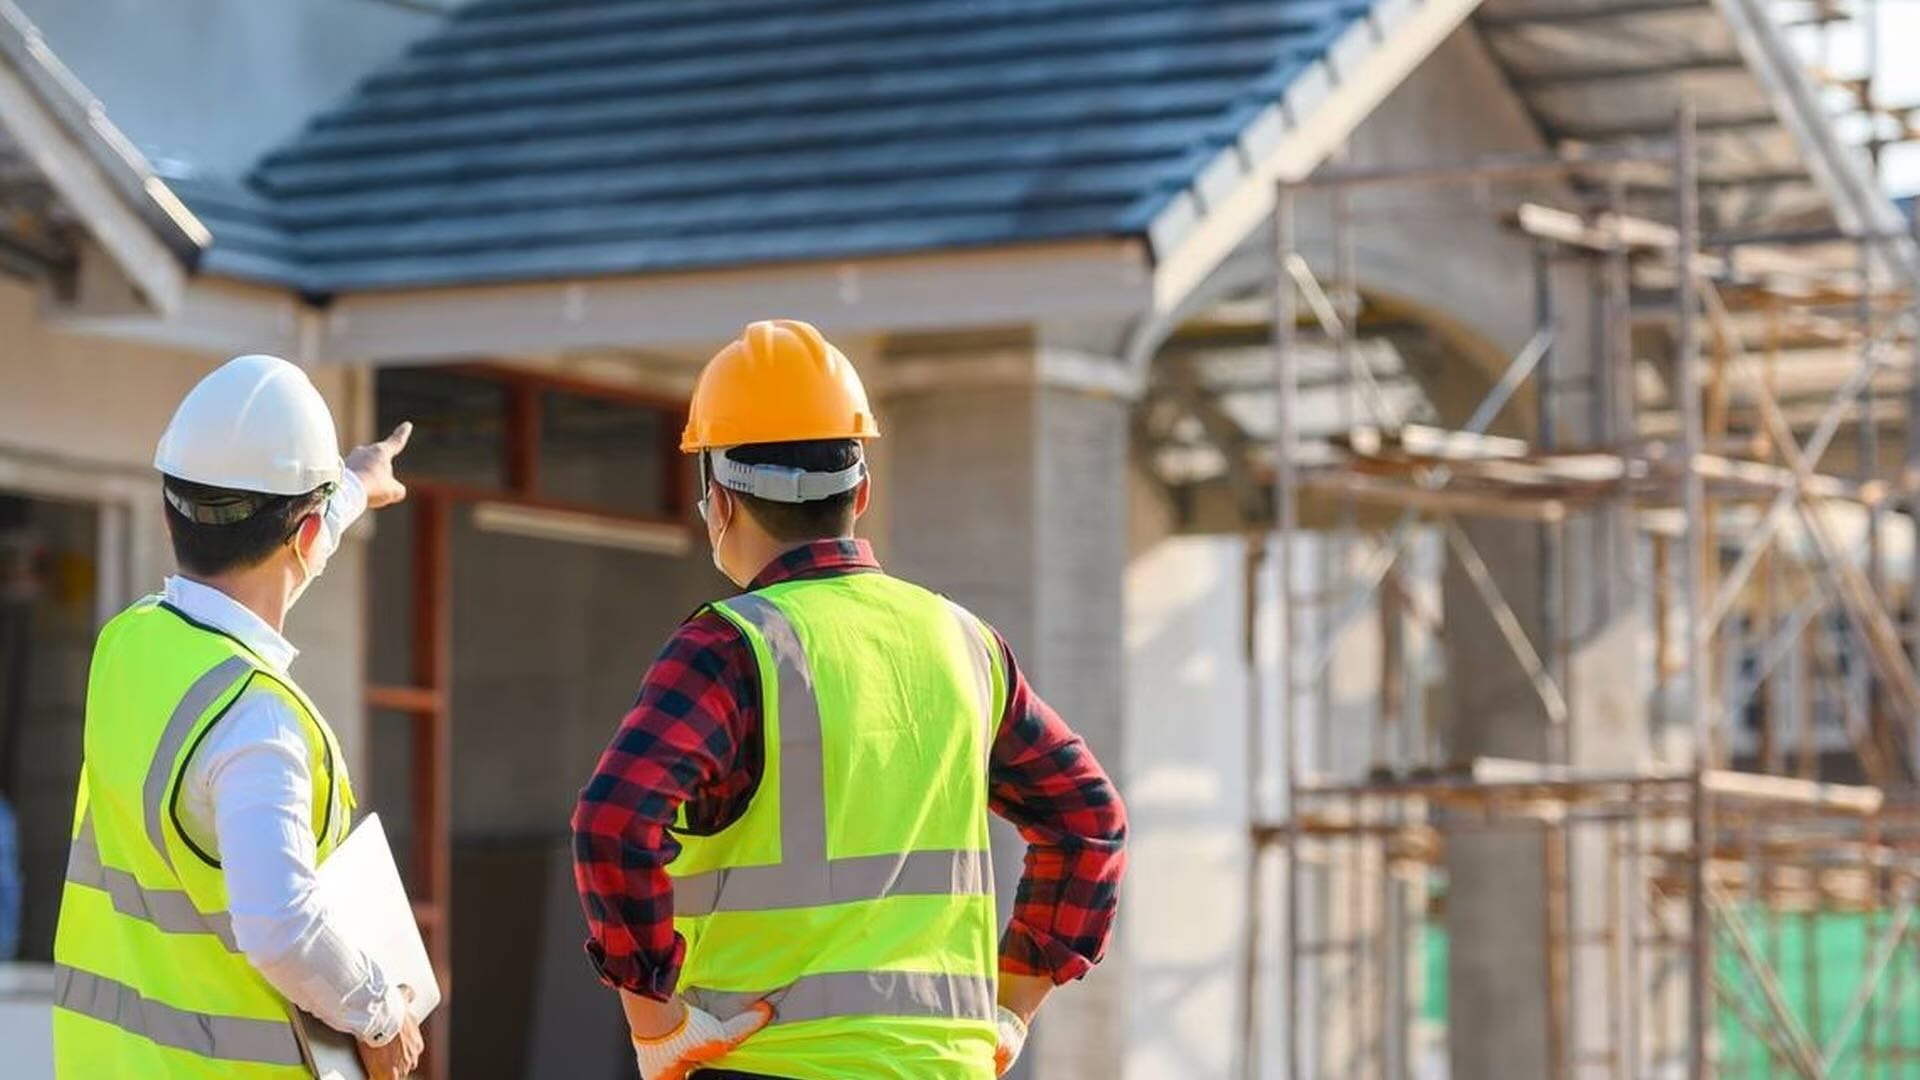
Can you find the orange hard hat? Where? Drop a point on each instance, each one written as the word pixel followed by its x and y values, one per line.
pixel 781 380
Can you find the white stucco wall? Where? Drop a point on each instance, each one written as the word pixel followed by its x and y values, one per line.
pixel 1183 907
pixel 262 67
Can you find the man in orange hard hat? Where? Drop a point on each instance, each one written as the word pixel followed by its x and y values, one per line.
pixel 783 853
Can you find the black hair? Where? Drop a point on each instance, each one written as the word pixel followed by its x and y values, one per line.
pixel 210 550
pixel 820 519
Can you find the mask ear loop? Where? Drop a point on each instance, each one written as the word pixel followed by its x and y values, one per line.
pixel 706 483
pixel 306 572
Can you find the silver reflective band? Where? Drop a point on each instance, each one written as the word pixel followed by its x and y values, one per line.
pixel 983 665
pixel 860 877
pixel 169 910
pixel 780 483
pixel 199 698
pixel 228 1038
pixel 861 993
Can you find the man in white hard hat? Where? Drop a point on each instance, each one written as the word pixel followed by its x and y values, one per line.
pixel 211 786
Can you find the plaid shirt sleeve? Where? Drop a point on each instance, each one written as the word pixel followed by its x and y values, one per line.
pixel 680 744
pixel 1044 780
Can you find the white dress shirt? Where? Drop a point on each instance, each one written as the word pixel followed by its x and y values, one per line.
pixel 247 796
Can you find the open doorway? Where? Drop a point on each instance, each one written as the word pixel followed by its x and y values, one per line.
pixel 545 553
pixel 49 583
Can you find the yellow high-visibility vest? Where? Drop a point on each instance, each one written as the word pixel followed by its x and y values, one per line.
pixel 855 893
pixel 148 980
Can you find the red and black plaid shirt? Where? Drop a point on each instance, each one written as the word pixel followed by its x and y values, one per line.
pixel 693 737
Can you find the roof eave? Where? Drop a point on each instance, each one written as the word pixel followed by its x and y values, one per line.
pixel 987 287
pixel 148 232
pixel 1195 231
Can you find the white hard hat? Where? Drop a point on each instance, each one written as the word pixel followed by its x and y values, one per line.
pixel 256 424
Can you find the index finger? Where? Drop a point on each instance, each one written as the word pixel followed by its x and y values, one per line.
pixel 397 440
pixel 406 992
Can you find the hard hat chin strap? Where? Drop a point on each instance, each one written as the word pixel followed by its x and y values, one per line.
pixel 781 483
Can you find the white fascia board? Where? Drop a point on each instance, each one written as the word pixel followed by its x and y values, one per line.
pixel 211 315
pixel 94 199
pixel 1288 141
pixel 997 287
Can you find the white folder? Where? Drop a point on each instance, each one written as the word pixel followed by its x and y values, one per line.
pixel 359 885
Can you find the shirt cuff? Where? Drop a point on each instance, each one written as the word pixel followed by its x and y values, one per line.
pixel 1026 951
pixel 639 975
pixel 384 1022
pixel 346 506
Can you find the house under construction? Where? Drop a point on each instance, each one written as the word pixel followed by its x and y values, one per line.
pixel 1451 460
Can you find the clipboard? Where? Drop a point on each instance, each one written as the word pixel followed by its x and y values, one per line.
pixel 360 886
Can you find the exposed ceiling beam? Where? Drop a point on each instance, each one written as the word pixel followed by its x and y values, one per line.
pixel 1586 13
pixel 1542 80
pixel 1724 125
pixel 1725 182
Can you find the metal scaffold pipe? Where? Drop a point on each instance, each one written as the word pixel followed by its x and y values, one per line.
pixel 1687 400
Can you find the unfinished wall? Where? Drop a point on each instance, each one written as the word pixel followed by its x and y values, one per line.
pixel 1435 254
pixel 1008 493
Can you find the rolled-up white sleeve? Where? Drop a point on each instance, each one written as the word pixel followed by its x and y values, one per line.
pixel 254 768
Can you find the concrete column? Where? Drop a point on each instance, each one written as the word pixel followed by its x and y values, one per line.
pixel 1570 590
pixel 1007 482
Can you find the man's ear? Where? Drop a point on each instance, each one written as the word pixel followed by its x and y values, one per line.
pixel 863 497
pixel 307 535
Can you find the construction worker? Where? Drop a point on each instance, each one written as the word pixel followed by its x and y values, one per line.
pixel 211 785
pixel 783 854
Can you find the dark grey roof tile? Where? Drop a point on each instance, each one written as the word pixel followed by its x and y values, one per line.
pixel 560 138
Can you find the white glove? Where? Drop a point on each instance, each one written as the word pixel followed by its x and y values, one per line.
pixel 700 1038
pixel 1013 1039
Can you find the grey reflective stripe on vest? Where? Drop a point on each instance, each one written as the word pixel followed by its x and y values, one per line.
pixel 983 665
pixel 169 910
pixel 227 1038
pixel 861 877
pixel 806 877
pixel 861 993
pixel 199 698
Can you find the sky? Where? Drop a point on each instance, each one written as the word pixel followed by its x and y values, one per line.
pixel 1899 82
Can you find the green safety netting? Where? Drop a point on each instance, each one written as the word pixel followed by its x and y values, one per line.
pixel 1818 985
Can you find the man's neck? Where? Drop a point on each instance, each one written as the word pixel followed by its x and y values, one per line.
pixel 258 590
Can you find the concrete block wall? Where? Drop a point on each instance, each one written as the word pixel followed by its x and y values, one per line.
pixel 1010 495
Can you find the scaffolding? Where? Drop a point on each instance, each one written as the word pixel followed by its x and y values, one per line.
pixel 1692 915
